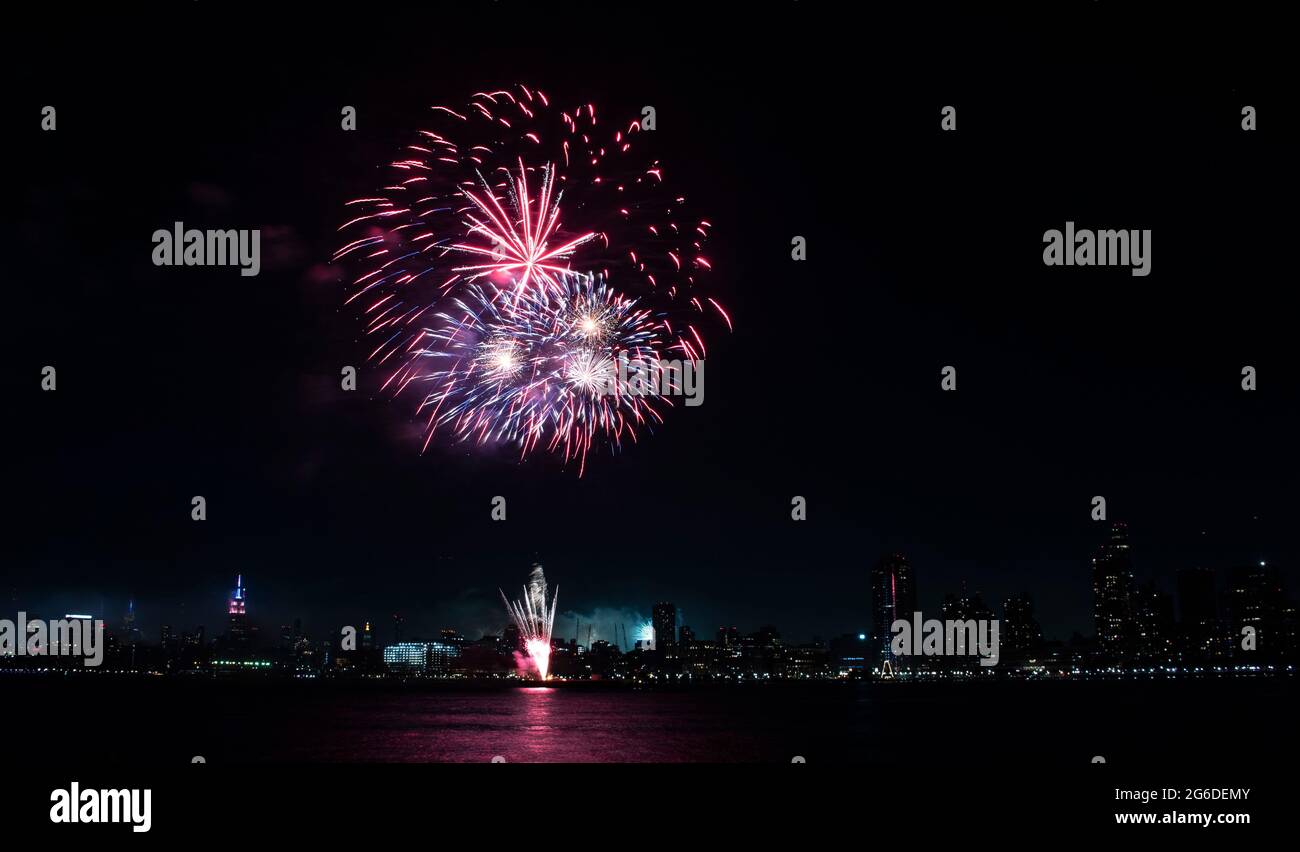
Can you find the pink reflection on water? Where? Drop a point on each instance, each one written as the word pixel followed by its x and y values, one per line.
pixel 523 724
pixel 539 740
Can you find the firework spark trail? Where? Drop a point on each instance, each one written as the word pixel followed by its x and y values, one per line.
pixel 534 619
pixel 519 247
pixel 483 204
pixel 542 369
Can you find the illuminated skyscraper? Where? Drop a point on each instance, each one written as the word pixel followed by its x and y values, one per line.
pixel 1112 592
pixel 238 634
pixel 1255 600
pixel 130 632
pixel 664 619
pixel 893 596
pixel 237 599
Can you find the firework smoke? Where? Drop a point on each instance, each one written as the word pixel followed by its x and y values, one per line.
pixel 534 619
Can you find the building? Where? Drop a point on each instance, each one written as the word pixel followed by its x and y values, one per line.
pixel 1021 635
pixel 809 661
pixel 848 654
pixel 1153 623
pixel 194 649
pixel 967 606
pixel 1254 599
pixel 566 660
pixel 511 640
pixel 130 632
pixel 1198 614
pixel 763 653
pixel 964 607
pixel 421 658
pixel 893 596
pixel 1112 592
pixel 1291 631
pixel 664 620
pixel 602 659
pixel 239 634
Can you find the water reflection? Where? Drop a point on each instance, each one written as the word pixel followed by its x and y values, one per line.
pixel 538 742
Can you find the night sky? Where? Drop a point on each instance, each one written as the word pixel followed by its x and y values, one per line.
pixel 924 249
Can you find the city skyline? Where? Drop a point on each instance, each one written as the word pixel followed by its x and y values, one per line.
pixel 1133 621
pixel 482 614
pixel 834 393
pixel 323 495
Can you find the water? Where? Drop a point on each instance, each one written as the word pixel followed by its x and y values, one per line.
pixel 155 721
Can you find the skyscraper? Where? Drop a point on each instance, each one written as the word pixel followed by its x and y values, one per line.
pixel 511 641
pixel 962 608
pixel 1196 609
pixel 1255 599
pixel 966 606
pixel 1153 622
pixel 1021 634
pixel 664 620
pixel 1112 591
pixel 893 596
pixel 238 635
pixel 130 632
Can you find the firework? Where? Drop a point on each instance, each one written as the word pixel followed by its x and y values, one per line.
pixel 517 243
pixel 534 619
pixel 468 256
pixel 541 368
pixel 645 633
